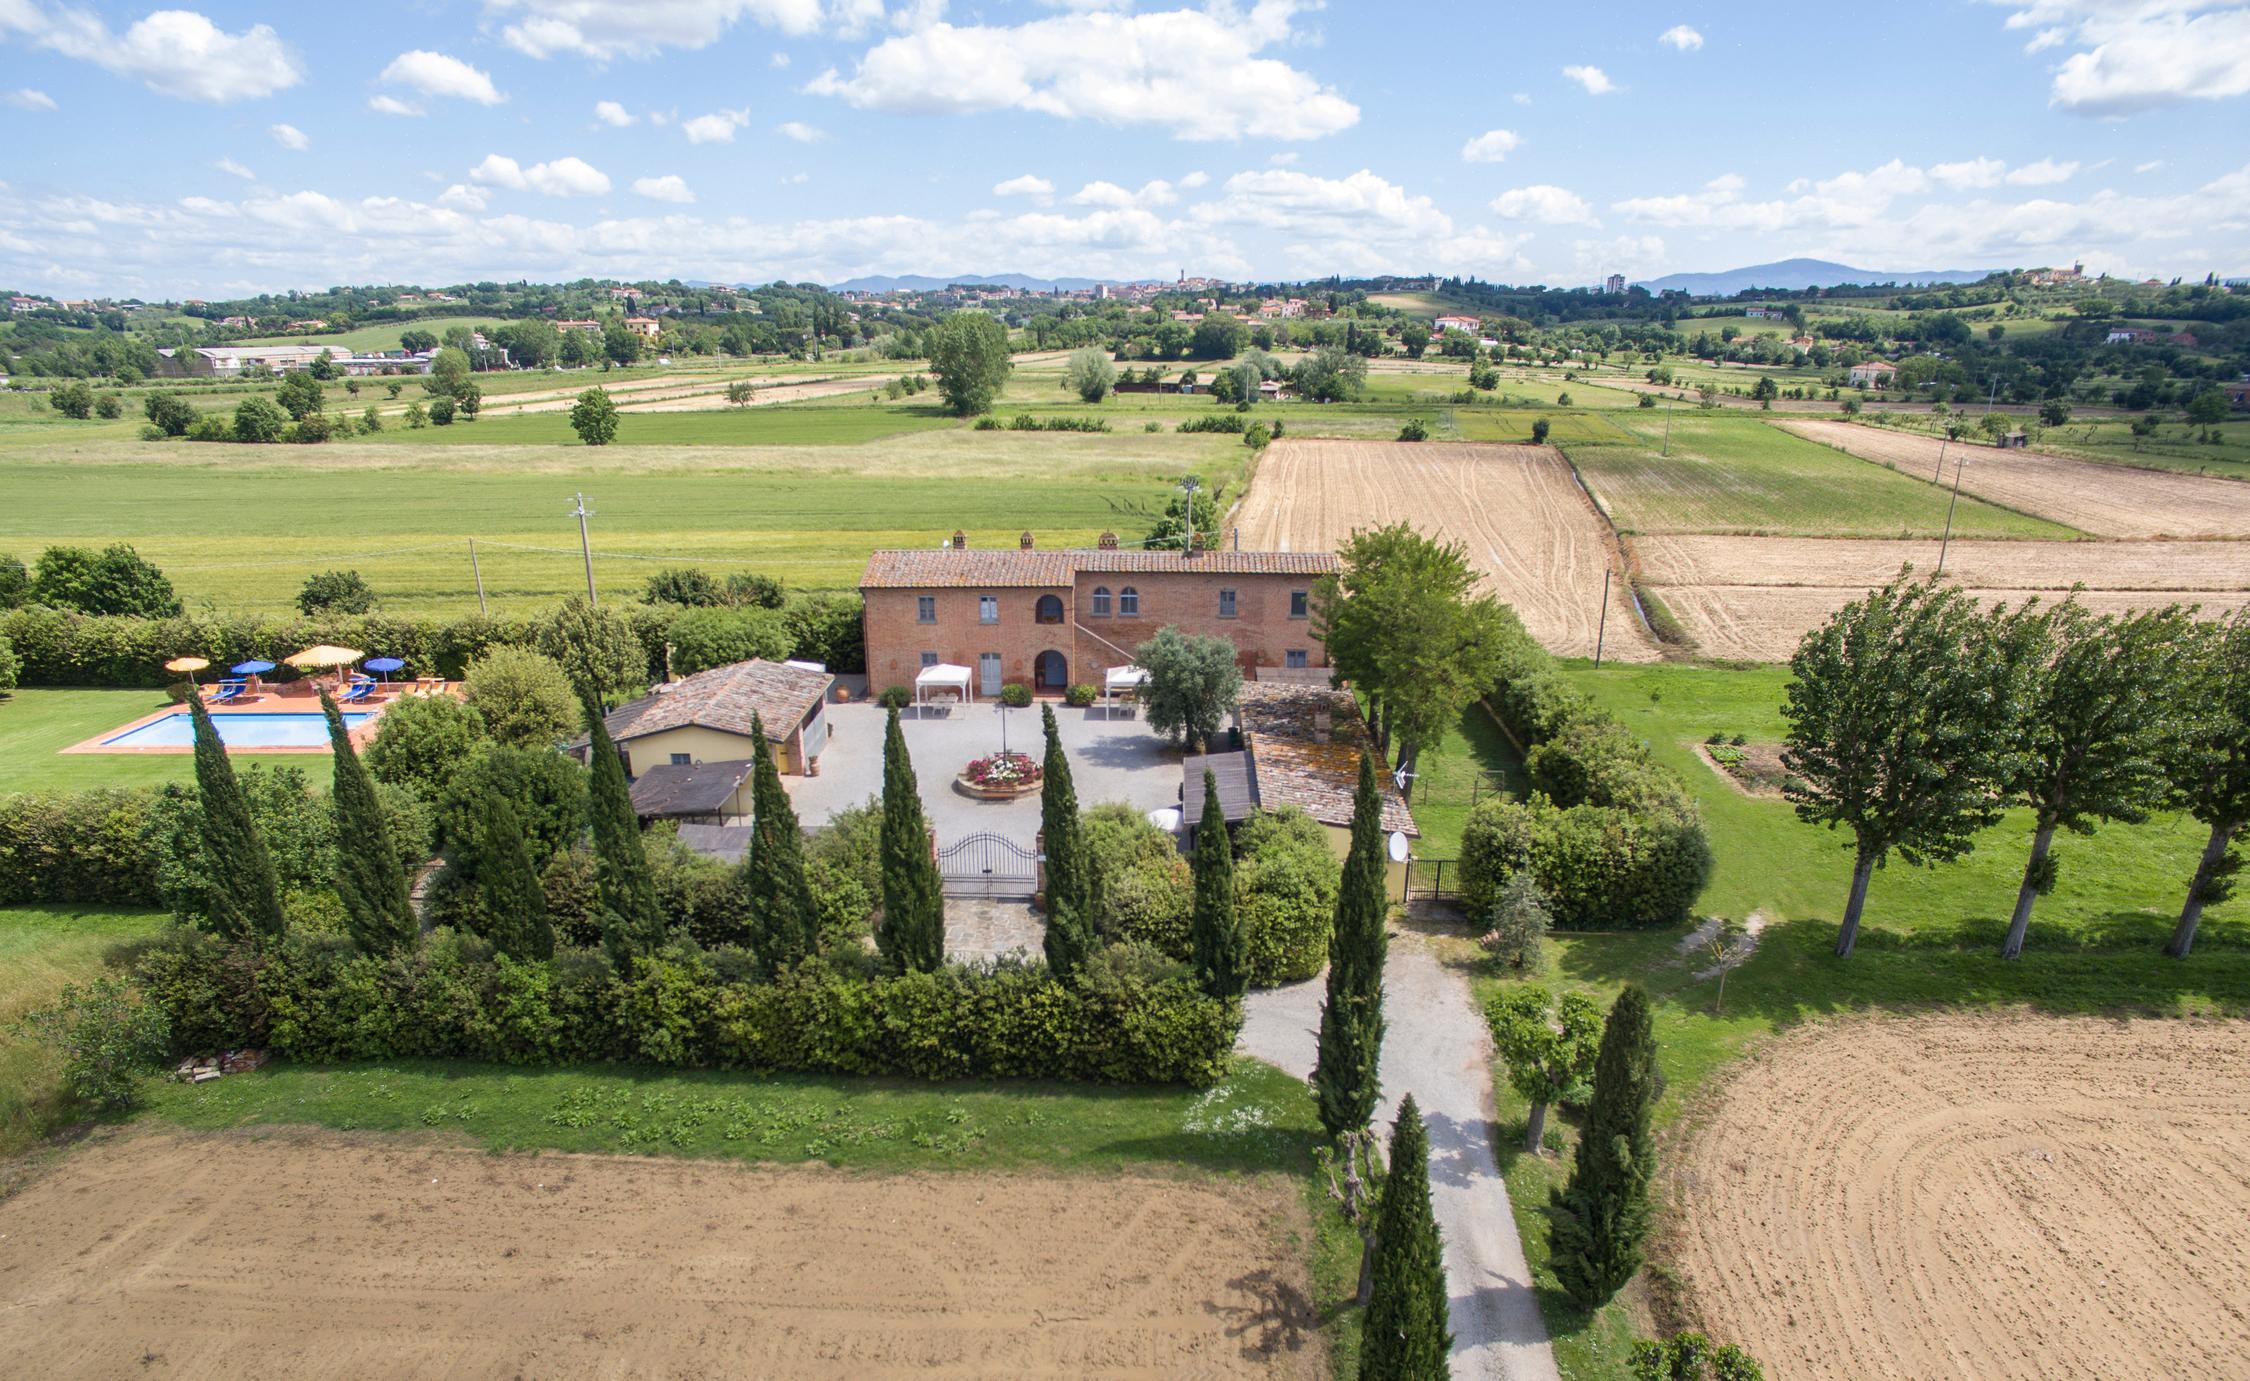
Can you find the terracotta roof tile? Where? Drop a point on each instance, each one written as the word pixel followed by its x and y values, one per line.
pixel 725 698
pixel 1002 568
pixel 1305 743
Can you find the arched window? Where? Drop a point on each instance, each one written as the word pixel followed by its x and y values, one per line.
pixel 1129 603
pixel 1048 610
pixel 1101 601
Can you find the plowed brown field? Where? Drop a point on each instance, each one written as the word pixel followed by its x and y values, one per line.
pixel 1526 523
pixel 2008 1196
pixel 316 1256
pixel 1755 597
pixel 2106 500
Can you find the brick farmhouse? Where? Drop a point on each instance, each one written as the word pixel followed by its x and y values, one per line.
pixel 1049 619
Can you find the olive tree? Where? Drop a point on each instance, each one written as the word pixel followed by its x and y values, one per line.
pixel 1089 374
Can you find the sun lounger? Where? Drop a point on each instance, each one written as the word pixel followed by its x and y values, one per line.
pixel 228 690
pixel 357 690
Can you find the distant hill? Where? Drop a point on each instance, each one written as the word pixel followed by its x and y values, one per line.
pixel 1797 274
pixel 919 283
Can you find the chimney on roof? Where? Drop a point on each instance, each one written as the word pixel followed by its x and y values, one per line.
pixel 1108 541
pixel 1323 724
pixel 1024 541
pixel 1196 544
pixel 960 540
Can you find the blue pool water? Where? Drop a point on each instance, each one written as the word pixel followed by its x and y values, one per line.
pixel 250 729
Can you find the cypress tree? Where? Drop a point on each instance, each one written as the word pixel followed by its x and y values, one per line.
pixel 1345 1081
pixel 508 890
pixel 1218 949
pixel 1406 1336
pixel 1600 1216
pixel 632 924
pixel 1070 917
pixel 369 879
pixel 784 921
pixel 912 937
pixel 245 899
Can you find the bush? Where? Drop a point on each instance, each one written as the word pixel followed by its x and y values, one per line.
pixel 423 742
pixel 82 847
pixel 895 697
pixel 109 407
pixel 1078 697
pixel 1601 867
pixel 170 413
pixel 524 699
pixel 1150 901
pixel 335 592
pixel 11 666
pixel 1285 890
pixel 1691 1357
pixel 1539 429
pixel 107 1034
pixel 1015 695
pixel 1414 430
pixel 707 638
pixel 257 421
pixel 1123 1022
pixel 1216 422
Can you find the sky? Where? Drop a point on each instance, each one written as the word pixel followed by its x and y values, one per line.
pixel 237 148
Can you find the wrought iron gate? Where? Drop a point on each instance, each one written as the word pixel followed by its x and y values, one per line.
pixel 988 865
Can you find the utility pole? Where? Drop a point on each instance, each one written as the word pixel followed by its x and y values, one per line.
pixel 1947 540
pixel 1601 627
pixel 1189 486
pixel 1937 476
pixel 478 573
pixel 579 511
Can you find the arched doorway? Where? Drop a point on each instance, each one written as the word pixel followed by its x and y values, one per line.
pixel 1050 672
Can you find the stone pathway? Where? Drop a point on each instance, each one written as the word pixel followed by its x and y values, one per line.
pixel 1437 1047
pixel 987 929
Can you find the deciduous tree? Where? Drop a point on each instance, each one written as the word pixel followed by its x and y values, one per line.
pixel 2210 762
pixel 1192 682
pixel 1089 374
pixel 1902 712
pixel 594 417
pixel 1550 1054
pixel 969 356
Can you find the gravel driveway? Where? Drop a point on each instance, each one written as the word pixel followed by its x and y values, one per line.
pixel 1437 1048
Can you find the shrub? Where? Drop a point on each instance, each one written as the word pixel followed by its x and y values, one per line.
pixel 109 407
pixel 895 697
pixel 335 592
pixel 1286 890
pixel 1077 697
pixel 11 666
pixel 1015 696
pixel 524 699
pixel 107 1034
pixel 1601 867
pixel 1216 422
pixel 169 412
pixel 81 847
pixel 707 638
pixel 1414 430
pixel 1150 901
pixel 1257 436
pixel 257 421
pixel 422 742
pixel 1539 429
pixel 1691 1357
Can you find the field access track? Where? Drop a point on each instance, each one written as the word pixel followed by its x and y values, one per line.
pixel 1518 509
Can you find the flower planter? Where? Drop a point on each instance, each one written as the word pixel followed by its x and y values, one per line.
pixel 1001 777
pixel 994 792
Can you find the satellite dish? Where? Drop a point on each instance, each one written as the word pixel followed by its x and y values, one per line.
pixel 1399 847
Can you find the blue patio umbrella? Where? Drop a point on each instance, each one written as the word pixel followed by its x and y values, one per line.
pixel 383 664
pixel 252 668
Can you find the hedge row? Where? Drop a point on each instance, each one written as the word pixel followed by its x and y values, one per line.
pixel 88 846
pixel 1612 836
pixel 322 1001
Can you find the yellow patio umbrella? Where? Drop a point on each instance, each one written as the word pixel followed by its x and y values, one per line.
pixel 187 666
pixel 325 655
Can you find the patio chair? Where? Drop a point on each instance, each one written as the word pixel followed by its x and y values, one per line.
pixel 357 690
pixel 227 690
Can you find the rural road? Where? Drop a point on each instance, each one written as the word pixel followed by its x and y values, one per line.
pixel 1437 1048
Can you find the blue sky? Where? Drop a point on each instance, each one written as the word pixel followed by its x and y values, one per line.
pixel 234 148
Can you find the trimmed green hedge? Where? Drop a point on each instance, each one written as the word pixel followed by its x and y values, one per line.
pixel 1612 835
pixel 322 1001
pixel 86 846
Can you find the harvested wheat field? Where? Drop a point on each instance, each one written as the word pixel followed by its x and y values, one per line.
pixel 314 1255
pixel 1754 597
pixel 1519 511
pixel 1975 1196
pixel 2105 500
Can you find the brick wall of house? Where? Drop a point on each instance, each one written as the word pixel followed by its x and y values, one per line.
pixel 1261 629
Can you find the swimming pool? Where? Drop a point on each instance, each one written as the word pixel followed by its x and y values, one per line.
pixel 248 729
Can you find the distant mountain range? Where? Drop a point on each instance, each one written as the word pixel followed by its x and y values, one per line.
pixel 1797 274
pixel 921 283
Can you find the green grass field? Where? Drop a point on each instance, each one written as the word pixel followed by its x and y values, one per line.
pixel 35 725
pixel 1728 473
pixel 808 424
pixel 40 951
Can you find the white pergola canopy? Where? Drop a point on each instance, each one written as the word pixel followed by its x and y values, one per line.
pixel 1125 680
pixel 944 676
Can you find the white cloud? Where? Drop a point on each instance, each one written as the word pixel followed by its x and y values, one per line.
pixel 172 52
pixel 1682 37
pixel 1029 185
pixel 386 104
pixel 234 169
pixel 564 177
pixel 26 98
pixel 796 179
pixel 1635 256
pixel 606 29
pixel 800 131
pixel 667 188
pixel 1544 203
pixel 716 128
pixel 1195 179
pixel 290 137
pixel 2149 167
pixel 1521 97
pixel 464 198
pixel 612 114
pixel 1491 146
pixel 778 61
pixel 2135 55
pixel 1974 172
pixel 436 74
pixel 1847 199
pixel 1594 79
pixel 2045 173
pixel 1195 73
pixel 1154 193
pixel 1286 158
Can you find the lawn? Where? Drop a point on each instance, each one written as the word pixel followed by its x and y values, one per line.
pixel 1472 761
pixel 714 425
pixel 1735 474
pixel 1929 941
pixel 36 725
pixel 244 527
pixel 40 951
